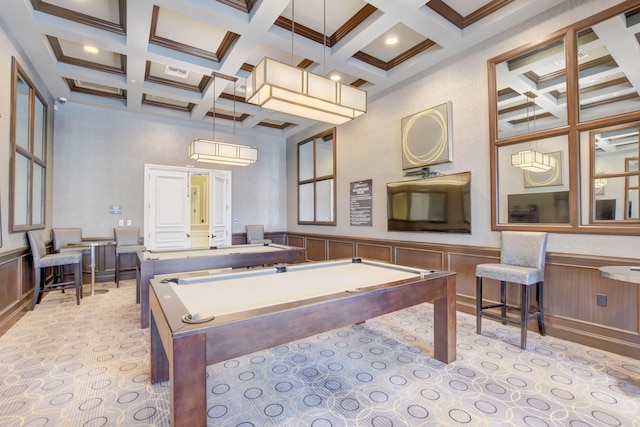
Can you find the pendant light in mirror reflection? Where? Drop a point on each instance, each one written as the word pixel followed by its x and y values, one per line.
pixel 532 160
pixel 225 153
pixel 288 89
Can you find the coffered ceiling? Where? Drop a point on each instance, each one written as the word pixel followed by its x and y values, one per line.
pixel 157 56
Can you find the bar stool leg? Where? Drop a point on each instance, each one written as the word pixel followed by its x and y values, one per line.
pixel 37 289
pixel 503 300
pixel 478 305
pixel 524 315
pixel 540 296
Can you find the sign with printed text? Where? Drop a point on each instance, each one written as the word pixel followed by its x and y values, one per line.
pixel 361 202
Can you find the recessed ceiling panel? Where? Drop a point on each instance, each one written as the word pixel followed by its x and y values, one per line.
pixel 188 31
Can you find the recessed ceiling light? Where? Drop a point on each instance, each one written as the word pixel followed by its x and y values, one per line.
pixel 335 77
pixel 391 40
pixel 91 49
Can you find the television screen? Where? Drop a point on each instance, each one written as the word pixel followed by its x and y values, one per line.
pixel 440 204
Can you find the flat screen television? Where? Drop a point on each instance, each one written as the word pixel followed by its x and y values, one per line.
pixel 440 204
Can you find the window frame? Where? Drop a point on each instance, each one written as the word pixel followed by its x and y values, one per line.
pixel 314 180
pixel 30 154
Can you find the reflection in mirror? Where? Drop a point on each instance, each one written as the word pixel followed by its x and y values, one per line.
pixel 533 84
pixel 614 173
pixel 525 196
pixel 609 75
pixel 609 199
pixel 632 187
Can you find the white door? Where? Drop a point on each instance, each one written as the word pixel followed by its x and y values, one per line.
pixel 220 208
pixel 167 219
pixel 167 214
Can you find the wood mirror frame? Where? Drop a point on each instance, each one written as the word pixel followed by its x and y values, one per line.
pixel 570 86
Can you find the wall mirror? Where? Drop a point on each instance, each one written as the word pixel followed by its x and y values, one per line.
pixel 530 90
pixel 569 99
pixel 29 147
pixel 613 175
pixel 529 196
pixel 316 179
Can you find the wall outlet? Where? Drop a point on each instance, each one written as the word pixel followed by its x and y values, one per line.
pixel 121 222
pixel 128 222
pixel 601 300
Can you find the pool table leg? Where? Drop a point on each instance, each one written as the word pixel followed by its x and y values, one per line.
pixel 188 381
pixel 444 328
pixel 143 292
pixel 185 368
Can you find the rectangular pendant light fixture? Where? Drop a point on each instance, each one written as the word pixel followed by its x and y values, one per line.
pixel 204 150
pixel 531 160
pixel 280 87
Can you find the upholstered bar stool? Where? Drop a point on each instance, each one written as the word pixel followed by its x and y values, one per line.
pixel 62 237
pixel 255 234
pixel 41 261
pixel 127 242
pixel 522 260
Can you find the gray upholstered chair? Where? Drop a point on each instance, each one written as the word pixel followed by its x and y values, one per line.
pixel 63 236
pixel 522 260
pixel 255 234
pixel 127 242
pixel 42 261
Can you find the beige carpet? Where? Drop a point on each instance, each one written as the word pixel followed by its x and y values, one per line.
pixel 88 365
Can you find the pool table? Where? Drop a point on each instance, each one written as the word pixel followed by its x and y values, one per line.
pixel 150 264
pixel 198 321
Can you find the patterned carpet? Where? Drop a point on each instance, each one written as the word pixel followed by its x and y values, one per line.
pixel 88 365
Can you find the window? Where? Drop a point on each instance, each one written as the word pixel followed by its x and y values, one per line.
pixel 28 148
pixel 316 180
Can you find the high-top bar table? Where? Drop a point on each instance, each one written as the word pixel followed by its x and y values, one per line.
pixel 92 245
pixel 624 273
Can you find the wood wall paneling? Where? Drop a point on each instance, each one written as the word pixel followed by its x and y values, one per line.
pixel 296 241
pixel 11 288
pixel 340 249
pixel 316 249
pixel 420 258
pixel 571 292
pixel 377 252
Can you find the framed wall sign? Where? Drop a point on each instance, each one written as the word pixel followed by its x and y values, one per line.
pixel 426 137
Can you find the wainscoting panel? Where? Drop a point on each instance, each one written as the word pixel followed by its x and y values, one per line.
pixel 11 289
pixel 340 249
pixel 571 292
pixel 421 258
pixel 316 249
pixel 296 241
pixel 377 252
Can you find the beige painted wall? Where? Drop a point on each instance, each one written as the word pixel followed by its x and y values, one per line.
pixel 99 157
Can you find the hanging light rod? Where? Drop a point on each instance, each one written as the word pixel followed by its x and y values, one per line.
pixel 212 151
pixel 288 89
